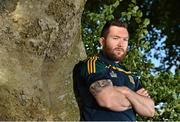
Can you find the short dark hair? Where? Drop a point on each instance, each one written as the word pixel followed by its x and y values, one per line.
pixel 108 24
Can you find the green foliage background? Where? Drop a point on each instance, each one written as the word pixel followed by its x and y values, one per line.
pixel 163 86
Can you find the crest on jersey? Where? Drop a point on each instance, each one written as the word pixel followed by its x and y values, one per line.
pixel 113 74
pixel 131 79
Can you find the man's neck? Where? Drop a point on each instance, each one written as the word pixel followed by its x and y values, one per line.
pixel 115 61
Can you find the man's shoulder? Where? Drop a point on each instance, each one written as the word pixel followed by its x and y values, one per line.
pixel 92 64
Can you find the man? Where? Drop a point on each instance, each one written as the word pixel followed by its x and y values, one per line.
pixel 105 89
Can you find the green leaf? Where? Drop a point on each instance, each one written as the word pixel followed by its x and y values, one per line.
pixel 116 4
pixel 136 8
pixel 177 108
pixel 133 1
pixel 110 17
pixel 139 13
pixel 146 22
pixel 138 20
pixel 128 17
pixel 123 13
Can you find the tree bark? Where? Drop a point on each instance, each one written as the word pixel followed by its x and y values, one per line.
pixel 40 42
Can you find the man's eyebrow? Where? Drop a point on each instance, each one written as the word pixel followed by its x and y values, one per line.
pixel 119 36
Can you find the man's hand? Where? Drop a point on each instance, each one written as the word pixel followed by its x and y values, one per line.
pixel 140 101
pixel 143 92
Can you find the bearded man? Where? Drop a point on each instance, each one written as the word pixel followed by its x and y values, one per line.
pixel 104 88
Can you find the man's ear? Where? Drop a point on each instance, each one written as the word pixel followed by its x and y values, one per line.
pixel 102 41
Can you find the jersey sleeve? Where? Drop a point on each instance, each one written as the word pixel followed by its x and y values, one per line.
pixel 93 70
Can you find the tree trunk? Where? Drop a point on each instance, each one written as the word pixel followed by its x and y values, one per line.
pixel 40 41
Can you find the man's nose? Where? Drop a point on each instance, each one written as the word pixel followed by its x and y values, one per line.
pixel 120 43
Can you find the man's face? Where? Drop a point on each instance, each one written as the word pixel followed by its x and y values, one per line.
pixel 116 43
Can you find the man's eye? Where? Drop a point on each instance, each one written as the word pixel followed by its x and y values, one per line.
pixel 125 39
pixel 115 38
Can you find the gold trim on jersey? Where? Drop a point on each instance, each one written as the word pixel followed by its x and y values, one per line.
pixel 119 69
pixel 91 64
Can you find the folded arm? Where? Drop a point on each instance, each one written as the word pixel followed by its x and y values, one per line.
pixel 108 96
pixel 140 101
pixel 122 98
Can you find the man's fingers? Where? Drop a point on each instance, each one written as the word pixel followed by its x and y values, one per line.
pixel 140 90
pixel 146 93
pixel 143 92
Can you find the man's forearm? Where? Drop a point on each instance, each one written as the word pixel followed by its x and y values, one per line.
pixel 108 96
pixel 112 99
pixel 143 105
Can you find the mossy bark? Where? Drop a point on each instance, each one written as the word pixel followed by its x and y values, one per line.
pixel 40 42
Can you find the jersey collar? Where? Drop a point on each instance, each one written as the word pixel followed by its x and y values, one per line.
pixel 109 61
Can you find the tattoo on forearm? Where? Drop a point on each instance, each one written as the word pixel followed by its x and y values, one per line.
pixel 97 86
